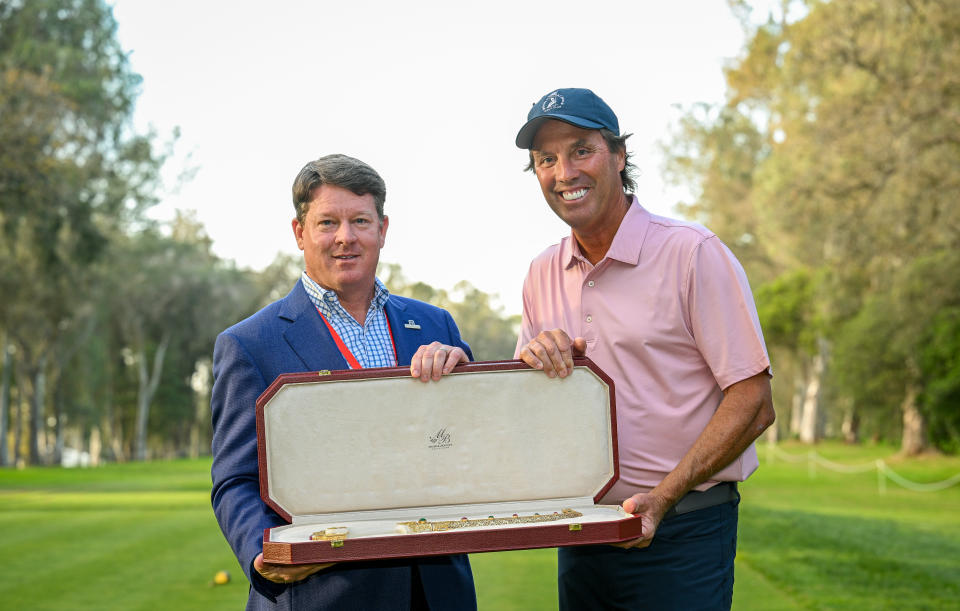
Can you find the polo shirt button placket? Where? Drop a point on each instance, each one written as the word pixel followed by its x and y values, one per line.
pixel 588 333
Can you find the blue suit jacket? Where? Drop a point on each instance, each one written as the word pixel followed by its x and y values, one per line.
pixel 288 336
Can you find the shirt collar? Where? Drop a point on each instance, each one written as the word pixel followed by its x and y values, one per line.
pixel 323 297
pixel 627 242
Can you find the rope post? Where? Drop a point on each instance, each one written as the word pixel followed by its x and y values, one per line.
pixel 881 477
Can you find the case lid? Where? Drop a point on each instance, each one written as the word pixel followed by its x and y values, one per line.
pixel 378 439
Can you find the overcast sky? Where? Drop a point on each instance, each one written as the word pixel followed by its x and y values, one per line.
pixel 431 94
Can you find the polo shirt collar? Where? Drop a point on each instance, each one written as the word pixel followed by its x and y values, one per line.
pixel 627 243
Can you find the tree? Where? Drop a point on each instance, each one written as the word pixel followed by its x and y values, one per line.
pixel 490 334
pixel 901 339
pixel 858 174
pixel 72 174
pixel 716 151
pixel 169 294
pixel 867 163
pixel 940 364
pixel 5 402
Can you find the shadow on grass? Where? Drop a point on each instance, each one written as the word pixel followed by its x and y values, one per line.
pixel 831 561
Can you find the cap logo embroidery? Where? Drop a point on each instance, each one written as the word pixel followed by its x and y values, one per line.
pixel 553 101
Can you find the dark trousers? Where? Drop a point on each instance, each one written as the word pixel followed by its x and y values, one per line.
pixel 689 565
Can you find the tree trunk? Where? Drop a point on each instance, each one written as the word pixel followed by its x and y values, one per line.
pixel 58 414
pixel 115 436
pixel 36 417
pixel 851 424
pixel 62 363
pixel 5 403
pixel 200 383
pixel 810 411
pixel 796 405
pixel 194 450
pixel 914 439
pixel 147 389
pixel 810 423
pixel 95 446
pixel 18 423
pixel 111 433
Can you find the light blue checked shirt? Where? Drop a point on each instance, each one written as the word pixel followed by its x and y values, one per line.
pixel 370 341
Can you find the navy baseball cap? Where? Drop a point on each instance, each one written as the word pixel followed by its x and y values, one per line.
pixel 580 107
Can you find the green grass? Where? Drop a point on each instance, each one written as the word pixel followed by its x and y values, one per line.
pixel 137 536
pixel 831 540
pixel 142 536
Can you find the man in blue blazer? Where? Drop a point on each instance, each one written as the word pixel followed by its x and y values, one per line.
pixel 338 316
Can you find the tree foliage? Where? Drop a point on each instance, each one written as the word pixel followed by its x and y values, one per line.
pixel 838 152
pixel 71 174
pixel 491 334
pixel 108 319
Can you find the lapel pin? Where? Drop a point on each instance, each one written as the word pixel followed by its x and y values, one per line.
pixel 410 324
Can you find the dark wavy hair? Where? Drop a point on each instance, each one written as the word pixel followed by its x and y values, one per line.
pixel 339 171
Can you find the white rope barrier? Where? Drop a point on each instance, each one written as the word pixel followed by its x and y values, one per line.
pixel 835 466
pixel 813 459
pixel 773 450
pixel 918 487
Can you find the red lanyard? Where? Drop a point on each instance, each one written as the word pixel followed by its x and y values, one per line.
pixel 352 360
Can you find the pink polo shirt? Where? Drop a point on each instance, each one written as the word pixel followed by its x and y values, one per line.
pixel 668 314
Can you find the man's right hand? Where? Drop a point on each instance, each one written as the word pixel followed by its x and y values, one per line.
pixel 435 360
pixel 651 509
pixel 553 352
pixel 287 573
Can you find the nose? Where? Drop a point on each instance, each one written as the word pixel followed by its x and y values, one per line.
pixel 565 169
pixel 345 233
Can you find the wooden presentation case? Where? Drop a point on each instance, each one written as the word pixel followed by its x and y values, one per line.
pixel 368 449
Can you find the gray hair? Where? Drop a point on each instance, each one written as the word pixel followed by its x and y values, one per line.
pixel 339 171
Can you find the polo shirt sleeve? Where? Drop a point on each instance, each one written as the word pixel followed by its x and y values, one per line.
pixel 722 316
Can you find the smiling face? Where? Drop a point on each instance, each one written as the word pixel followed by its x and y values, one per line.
pixel 341 237
pixel 580 178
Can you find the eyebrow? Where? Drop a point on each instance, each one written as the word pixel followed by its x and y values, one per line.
pixel 579 143
pixel 585 144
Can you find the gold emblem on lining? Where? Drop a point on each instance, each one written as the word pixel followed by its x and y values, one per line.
pixel 423 525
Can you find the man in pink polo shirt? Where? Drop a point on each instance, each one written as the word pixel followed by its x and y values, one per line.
pixel 665 309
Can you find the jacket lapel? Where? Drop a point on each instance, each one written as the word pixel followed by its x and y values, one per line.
pixel 306 334
pixel 406 338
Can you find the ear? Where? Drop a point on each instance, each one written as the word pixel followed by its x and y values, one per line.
pixel 383 230
pixel 297 232
pixel 621 159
